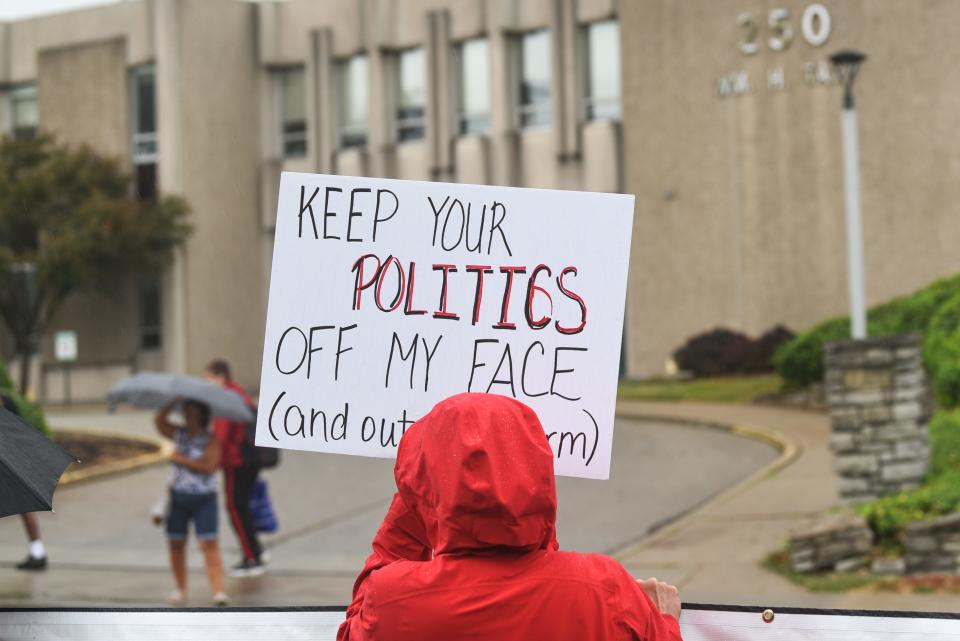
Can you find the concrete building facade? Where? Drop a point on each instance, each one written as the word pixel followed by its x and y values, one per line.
pixel 733 149
pixel 212 99
pixel 729 137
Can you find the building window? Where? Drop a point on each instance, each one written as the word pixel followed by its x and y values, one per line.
pixel 145 180
pixel 410 94
pixel 143 109
pixel 143 103
pixel 602 101
pixel 533 63
pixel 473 108
pixel 150 325
pixel 352 96
pixel 23 111
pixel 292 111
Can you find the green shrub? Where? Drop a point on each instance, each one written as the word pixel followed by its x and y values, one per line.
pixel 5 381
pixel 938 496
pixel 800 361
pixel 30 412
pixel 941 351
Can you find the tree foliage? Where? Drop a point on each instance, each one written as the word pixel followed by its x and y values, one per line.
pixel 29 412
pixel 69 222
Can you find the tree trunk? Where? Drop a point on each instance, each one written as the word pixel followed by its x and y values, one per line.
pixel 24 370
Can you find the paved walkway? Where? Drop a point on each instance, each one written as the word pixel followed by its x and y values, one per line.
pixel 713 553
pixel 105 552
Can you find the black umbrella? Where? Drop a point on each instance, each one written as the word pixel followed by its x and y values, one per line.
pixel 30 467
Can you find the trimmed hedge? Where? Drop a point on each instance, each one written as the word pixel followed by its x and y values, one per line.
pixel 720 351
pixel 800 361
pixel 30 412
pixel 723 351
pixel 938 496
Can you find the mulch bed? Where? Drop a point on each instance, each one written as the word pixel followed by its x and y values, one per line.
pixel 93 449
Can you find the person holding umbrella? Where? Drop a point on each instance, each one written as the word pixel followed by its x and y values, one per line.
pixel 193 494
pixel 193 482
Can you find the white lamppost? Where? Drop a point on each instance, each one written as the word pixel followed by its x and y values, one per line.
pixel 847 64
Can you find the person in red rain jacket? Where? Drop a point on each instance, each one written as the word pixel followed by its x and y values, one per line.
pixel 468 548
pixel 239 477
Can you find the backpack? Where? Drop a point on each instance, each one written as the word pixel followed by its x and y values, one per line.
pixel 253 454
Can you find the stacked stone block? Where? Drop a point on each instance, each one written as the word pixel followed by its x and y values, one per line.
pixel 840 542
pixel 933 546
pixel 877 393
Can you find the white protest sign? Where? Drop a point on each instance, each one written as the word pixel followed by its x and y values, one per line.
pixel 387 296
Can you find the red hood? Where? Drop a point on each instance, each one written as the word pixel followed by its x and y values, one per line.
pixel 479 472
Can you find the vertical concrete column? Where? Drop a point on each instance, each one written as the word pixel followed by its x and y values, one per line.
pixel 380 141
pixel 565 71
pixel 440 97
pixel 5 62
pixel 166 37
pixel 321 73
pixel 503 89
pixel 876 390
pixel 268 31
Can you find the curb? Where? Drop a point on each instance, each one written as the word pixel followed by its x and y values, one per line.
pixel 147 459
pixel 789 452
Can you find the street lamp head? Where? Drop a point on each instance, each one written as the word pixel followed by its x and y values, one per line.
pixel 847 63
pixel 847 57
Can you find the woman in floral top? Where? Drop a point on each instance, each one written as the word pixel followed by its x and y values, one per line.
pixel 193 494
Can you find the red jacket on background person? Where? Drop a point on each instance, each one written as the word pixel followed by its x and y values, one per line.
pixel 231 434
pixel 468 548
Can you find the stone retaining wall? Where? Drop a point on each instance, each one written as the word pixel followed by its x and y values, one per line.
pixel 933 546
pixel 840 542
pixel 877 393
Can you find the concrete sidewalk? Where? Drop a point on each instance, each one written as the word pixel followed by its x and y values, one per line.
pixel 713 553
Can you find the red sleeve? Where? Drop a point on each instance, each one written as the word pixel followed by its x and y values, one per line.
pixel 640 615
pixel 401 537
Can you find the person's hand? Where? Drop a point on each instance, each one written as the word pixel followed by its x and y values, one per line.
pixel 665 596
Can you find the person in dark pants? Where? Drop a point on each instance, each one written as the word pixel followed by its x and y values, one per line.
pixel 37 556
pixel 238 477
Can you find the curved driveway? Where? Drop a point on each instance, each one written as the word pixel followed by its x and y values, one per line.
pixel 104 551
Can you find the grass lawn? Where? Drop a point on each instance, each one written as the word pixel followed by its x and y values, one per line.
pixel 723 389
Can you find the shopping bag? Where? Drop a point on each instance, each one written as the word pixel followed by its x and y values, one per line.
pixel 160 510
pixel 264 518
